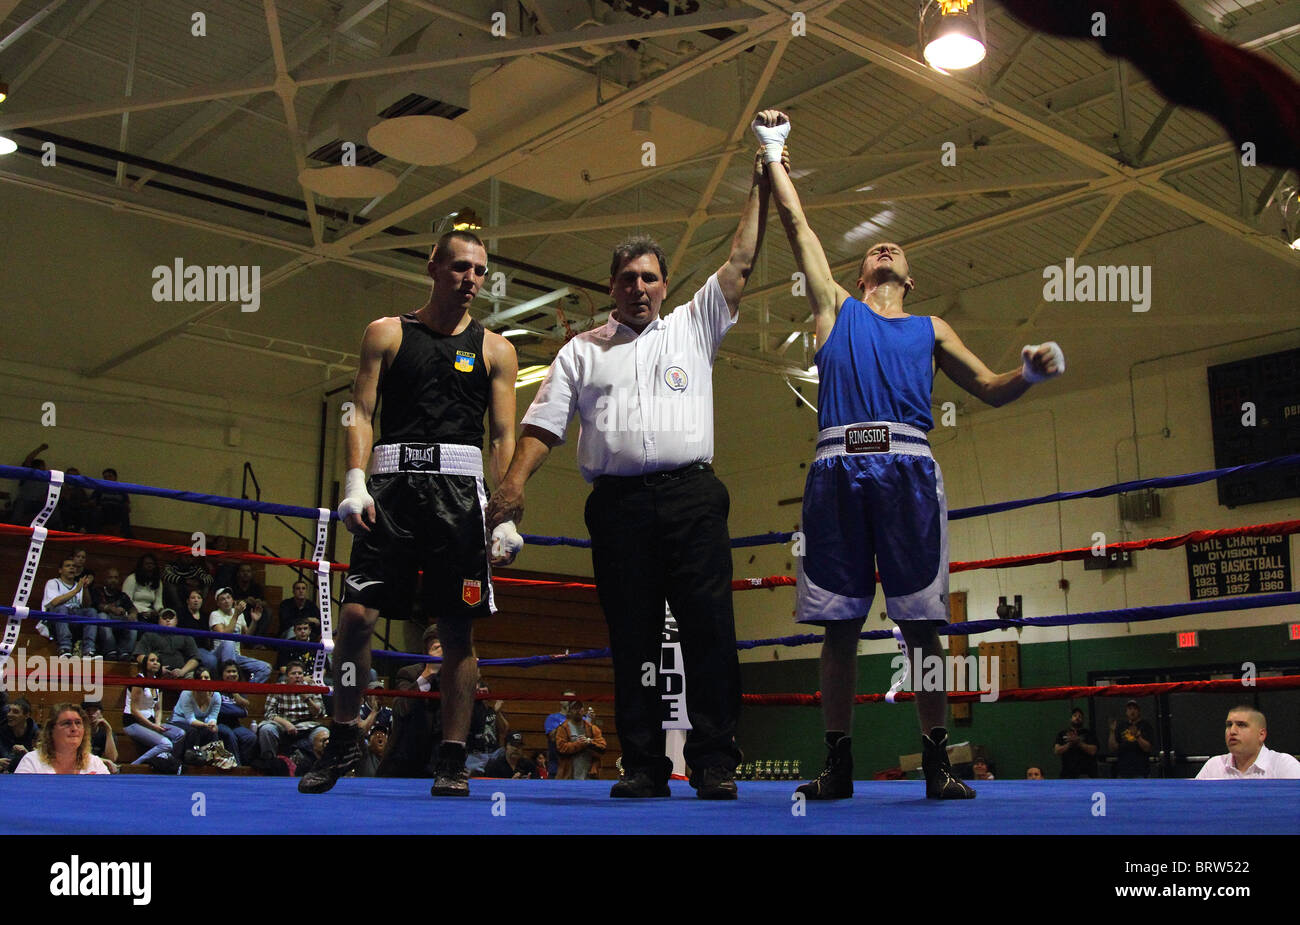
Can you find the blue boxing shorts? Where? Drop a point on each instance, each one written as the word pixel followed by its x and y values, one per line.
pixel 873 501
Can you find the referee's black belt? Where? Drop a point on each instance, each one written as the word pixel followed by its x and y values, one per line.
pixel 650 478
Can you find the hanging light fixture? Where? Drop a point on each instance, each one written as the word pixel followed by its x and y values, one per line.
pixel 953 43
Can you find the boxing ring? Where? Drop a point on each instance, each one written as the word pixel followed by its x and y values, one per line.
pixel 378 806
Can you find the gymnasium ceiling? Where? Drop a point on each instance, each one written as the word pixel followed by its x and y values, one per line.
pixel 1061 152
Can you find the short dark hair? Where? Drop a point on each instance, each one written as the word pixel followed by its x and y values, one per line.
pixel 1076 710
pixel 108 470
pixel 23 704
pixel 637 246
pixel 300 581
pixel 65 560
pixel 301 621
pixel 430 634
pixel 439 255
pixel 289 665
pixel 227 663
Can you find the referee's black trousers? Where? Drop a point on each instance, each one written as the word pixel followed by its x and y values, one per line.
pixel 663 540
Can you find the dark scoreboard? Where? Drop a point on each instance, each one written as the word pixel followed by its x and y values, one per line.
pixel 1255 415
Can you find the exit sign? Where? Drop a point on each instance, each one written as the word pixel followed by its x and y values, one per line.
pixel 1188 640
pixel 1293 632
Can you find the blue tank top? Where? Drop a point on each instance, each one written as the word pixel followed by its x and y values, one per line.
pixel 875 369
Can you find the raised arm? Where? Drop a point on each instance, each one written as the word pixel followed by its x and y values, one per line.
pixel 824 294
pixel 1039 362
pixel 378 346
pixel 733 274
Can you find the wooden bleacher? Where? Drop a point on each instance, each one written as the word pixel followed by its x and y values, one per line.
pixel 530 621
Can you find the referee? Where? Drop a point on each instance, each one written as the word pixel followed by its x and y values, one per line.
pixel 657 515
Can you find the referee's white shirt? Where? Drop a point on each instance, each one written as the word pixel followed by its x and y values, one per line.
pixel 645 401
pixel 1269 765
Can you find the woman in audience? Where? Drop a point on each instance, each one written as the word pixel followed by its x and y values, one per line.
pixel 239 740
pixel 64 746
pixel 193 619
pixel 145 588
pixel 140 714
pixel 195 714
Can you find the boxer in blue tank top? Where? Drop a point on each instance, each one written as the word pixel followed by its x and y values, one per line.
pixel 874 498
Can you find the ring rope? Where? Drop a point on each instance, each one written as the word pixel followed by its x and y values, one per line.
pixel 1190 478
pixel 1022 694
pixel 973 627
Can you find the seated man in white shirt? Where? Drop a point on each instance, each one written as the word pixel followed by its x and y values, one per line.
pixel 1247 756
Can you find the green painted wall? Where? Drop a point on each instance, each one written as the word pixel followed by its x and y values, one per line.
pixel 1014 734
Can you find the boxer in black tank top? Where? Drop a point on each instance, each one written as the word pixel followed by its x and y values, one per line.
pixel 431 375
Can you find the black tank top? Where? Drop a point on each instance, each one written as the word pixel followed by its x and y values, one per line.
pixel 436 390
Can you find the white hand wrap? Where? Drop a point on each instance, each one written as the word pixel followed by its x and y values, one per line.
pixel 772 137
pixel 355 497
pixel 506 541
pixel 1032 375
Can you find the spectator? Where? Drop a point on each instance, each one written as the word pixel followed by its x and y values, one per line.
pixel 308 753
pixel 981 769
pixel 239 740
pixel 488 728
pixel 29 500
pixel 114 604
pixel 552 723
pixel 192 619
pixel 64 746
pixel 229 618
pixel 579 744
pixel 112 508
pixel 1033 772
pixel 178 653
pixel 141 710
pixel 539 759
pixel 239 578
pixel 302 633
pixel 75 505
pixel 144 587
pixel 512 763
pixel 67 594
pixel 182 576
pixel 103 744
pixel 1077 747
pixel 300 607
pixel 374 755
pixel 1248 757
pixel 195 714
pixel 417 721
pixel 290 717
pixel 1133 745
pixel 17 735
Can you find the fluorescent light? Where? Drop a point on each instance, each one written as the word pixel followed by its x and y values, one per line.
pixel 515 332
pixel 7 146
pixel 530 375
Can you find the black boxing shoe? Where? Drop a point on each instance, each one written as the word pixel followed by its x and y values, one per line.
pixel 940 782
pixel 639 785
pixel 342 755
pixel 715 783
pixel 836 780
pixel 450 776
